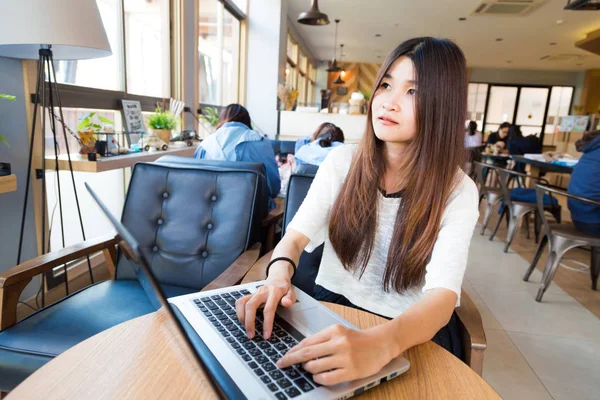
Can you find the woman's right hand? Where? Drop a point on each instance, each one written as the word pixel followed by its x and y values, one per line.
pixel 276 290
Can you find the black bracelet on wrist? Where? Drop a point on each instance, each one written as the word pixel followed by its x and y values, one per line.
pixel 282 259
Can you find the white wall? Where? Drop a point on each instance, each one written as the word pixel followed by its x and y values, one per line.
pixel 267 30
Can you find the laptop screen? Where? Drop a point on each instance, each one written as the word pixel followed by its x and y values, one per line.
pixel 134 251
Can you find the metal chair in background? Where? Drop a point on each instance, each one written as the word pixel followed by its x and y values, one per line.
pixel 493 195
pixel 562 238
pixel 518 209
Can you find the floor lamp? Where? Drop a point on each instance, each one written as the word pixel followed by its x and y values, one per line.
pixel 47 31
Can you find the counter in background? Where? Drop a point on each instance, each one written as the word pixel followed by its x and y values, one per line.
pixel 294 125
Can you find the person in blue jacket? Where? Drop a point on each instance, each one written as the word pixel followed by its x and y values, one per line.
pixel 585 182
pixel 326 137
pixel 235 140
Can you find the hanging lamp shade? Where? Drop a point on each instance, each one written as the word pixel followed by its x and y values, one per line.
pixel 333 67
pixel 313 16
pixel 339 80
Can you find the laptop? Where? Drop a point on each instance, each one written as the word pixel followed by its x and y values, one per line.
pixel 237 367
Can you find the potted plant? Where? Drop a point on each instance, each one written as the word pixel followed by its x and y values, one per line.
pixel 87 129
pixel 5 167
pixel 162 123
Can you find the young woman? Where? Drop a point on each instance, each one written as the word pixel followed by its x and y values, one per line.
pixel 235 140
pixel 326 138
pixel 500 137
pixel 473 137
pixel 396 214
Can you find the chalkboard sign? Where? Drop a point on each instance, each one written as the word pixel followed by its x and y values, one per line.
pixel 134 120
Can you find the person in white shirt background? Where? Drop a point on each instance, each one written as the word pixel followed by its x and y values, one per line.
pixel 473 138
pixel 396 214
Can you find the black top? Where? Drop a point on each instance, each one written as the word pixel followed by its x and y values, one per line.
pixel 495 138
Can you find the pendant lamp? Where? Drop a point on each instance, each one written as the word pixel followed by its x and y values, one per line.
pixel 333 67
pixel 313 16
pixel 339 80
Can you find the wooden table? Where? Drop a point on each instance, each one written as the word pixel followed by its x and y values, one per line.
pixel 145 359
pixel 8 183
pixel 81 164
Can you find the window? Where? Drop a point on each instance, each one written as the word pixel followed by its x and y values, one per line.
pixel 560 101
pixel 300 73
pixel 219 53
pixel 476 103
pixel 101 73
pixel 147 35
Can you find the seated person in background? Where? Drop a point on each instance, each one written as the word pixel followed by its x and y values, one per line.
pixel 519 145
pixel 585 182
pixel 235 140
pixel 500 137
pixel 326 137
pixel 473 138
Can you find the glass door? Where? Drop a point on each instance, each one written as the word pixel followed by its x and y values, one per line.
pixel 501 107
pixel 531 110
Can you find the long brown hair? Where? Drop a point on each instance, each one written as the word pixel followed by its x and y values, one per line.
pixel 328 133
pixel 234 113
pixel 433 159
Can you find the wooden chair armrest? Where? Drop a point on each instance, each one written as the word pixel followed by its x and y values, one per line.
pixel 13 281
pixel 258 272
pixel 275 215
pixel 233 275
pixel 474 341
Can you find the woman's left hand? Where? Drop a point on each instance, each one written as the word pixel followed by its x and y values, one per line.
pixel 340 354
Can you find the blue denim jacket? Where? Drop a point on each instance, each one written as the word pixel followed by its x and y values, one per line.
pixel 234 141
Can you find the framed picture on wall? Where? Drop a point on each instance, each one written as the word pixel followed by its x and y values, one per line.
pixel 341 91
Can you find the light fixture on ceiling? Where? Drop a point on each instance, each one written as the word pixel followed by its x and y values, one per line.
pixel 378 35
pixel 560 21
pixel 499 39
pixel 553 43
pixel 333 67
pixel 462 19
pixel 313 16
pixel 339 80
pixel 583 5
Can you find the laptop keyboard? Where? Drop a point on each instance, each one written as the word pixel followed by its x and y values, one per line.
pixel 258 354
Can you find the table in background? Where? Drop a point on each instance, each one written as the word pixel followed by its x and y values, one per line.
pixel 145 359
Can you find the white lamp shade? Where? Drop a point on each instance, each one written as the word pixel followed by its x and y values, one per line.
pixel 73 28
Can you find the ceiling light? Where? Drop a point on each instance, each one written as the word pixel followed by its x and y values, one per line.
pixel 499 39
pixel 508 61
pixel 552 43
pixel 462 19
pixel 333 67
pixel 560 21
pixel 378 35
pixel 313 16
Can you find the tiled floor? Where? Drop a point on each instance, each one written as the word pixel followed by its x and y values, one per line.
pixel 535 350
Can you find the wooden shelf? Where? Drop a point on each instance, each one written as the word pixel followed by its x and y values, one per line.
pixel 8 183
pixel 81 164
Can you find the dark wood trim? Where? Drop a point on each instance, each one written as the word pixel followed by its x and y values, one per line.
pixel 543 132
pixel 84 97
pixel 233 9
pixel 485 110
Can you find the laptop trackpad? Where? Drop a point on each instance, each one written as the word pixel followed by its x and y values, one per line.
pixel 314 319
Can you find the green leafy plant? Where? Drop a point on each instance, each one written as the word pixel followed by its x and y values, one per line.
pixel 162 120
pixel 88 123
pixel 210 115
pixel 11 98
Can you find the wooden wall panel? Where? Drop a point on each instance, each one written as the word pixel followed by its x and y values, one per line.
pixel 357 77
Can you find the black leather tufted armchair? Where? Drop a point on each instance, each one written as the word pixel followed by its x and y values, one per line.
pixel 196 223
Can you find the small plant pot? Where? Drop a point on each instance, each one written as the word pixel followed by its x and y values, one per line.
pixel 101 147
pixel 163 134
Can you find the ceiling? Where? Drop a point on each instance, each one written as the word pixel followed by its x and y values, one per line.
pixel 525 39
